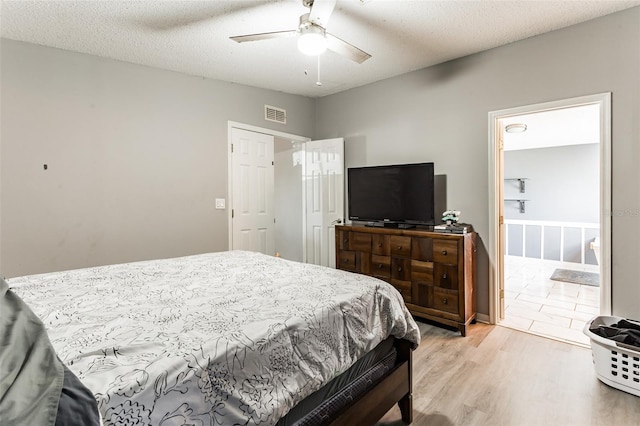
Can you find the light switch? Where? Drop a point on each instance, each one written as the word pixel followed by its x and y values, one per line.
pixel 220 203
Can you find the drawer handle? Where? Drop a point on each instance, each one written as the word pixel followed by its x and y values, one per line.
pixel 444 301
pixel 444 276
pixel 399 269
pixel 379 244
pixel 380 266
pixel 399 247
pixel 444 252
pixel 345 260
pixel 346 240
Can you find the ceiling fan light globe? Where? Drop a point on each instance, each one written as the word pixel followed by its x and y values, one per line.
pixel 312 44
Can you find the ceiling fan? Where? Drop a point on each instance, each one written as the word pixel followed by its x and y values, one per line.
pixel 313 39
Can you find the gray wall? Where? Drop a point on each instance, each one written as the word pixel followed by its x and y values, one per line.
pixel 440 114
pixel 563 183
pixel 136 157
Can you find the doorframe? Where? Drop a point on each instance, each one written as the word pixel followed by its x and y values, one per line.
pixel 274 133
pixel 496 169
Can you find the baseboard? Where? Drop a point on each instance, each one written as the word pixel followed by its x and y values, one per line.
pixel 483 318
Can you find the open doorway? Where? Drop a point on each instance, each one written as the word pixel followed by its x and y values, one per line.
pixel 551 231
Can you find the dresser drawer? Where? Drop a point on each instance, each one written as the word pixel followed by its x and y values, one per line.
pixel 421 294
pixel 380 266
pixel 422 249
pixel 400 246
pixel 360 242
pixel 380 245
pixel 445 276
pixel 445 300
pixel 404 287
pixel 342 240
pixel 445 251
pixel 422 272
pixel 400 268
pixel 347 260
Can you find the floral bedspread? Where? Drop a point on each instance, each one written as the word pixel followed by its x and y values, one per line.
pixel 219 338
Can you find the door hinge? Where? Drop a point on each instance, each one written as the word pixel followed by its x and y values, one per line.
pixel 501 294
pixel 232 148
pixel 232 213
pixel 273 163
pixel 501 220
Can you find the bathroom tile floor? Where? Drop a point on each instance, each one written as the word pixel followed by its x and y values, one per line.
pixel 539 305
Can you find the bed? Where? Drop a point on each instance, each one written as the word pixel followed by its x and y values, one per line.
pixel 229 338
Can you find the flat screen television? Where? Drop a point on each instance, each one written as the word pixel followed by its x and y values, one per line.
pixel 397 195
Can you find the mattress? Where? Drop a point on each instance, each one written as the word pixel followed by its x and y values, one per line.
pixel 219 338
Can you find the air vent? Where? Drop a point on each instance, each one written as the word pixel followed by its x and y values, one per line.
pixel 277 115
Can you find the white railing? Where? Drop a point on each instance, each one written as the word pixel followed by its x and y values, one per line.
pixel 549 224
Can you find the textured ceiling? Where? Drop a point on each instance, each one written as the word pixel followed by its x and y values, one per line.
pixel 192 37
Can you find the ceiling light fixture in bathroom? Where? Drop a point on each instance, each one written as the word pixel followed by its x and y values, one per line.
pixel 516 128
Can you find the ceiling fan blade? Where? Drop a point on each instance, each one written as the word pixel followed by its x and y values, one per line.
pixel 263 36
pixel 345 49
pixel 321 12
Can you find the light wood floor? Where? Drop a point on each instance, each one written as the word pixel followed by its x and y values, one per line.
pixel 500 376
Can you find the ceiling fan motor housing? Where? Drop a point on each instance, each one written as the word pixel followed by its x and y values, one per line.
pixel 306 26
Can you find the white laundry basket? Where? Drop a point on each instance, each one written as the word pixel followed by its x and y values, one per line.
pixel 617 364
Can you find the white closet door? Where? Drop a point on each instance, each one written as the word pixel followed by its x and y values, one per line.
pixel 253 212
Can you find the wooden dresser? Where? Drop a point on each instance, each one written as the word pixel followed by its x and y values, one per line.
pixel 434 272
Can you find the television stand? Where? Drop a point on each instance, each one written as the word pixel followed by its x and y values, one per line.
pixel 434 272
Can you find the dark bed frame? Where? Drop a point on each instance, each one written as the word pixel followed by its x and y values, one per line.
pixel 395 387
